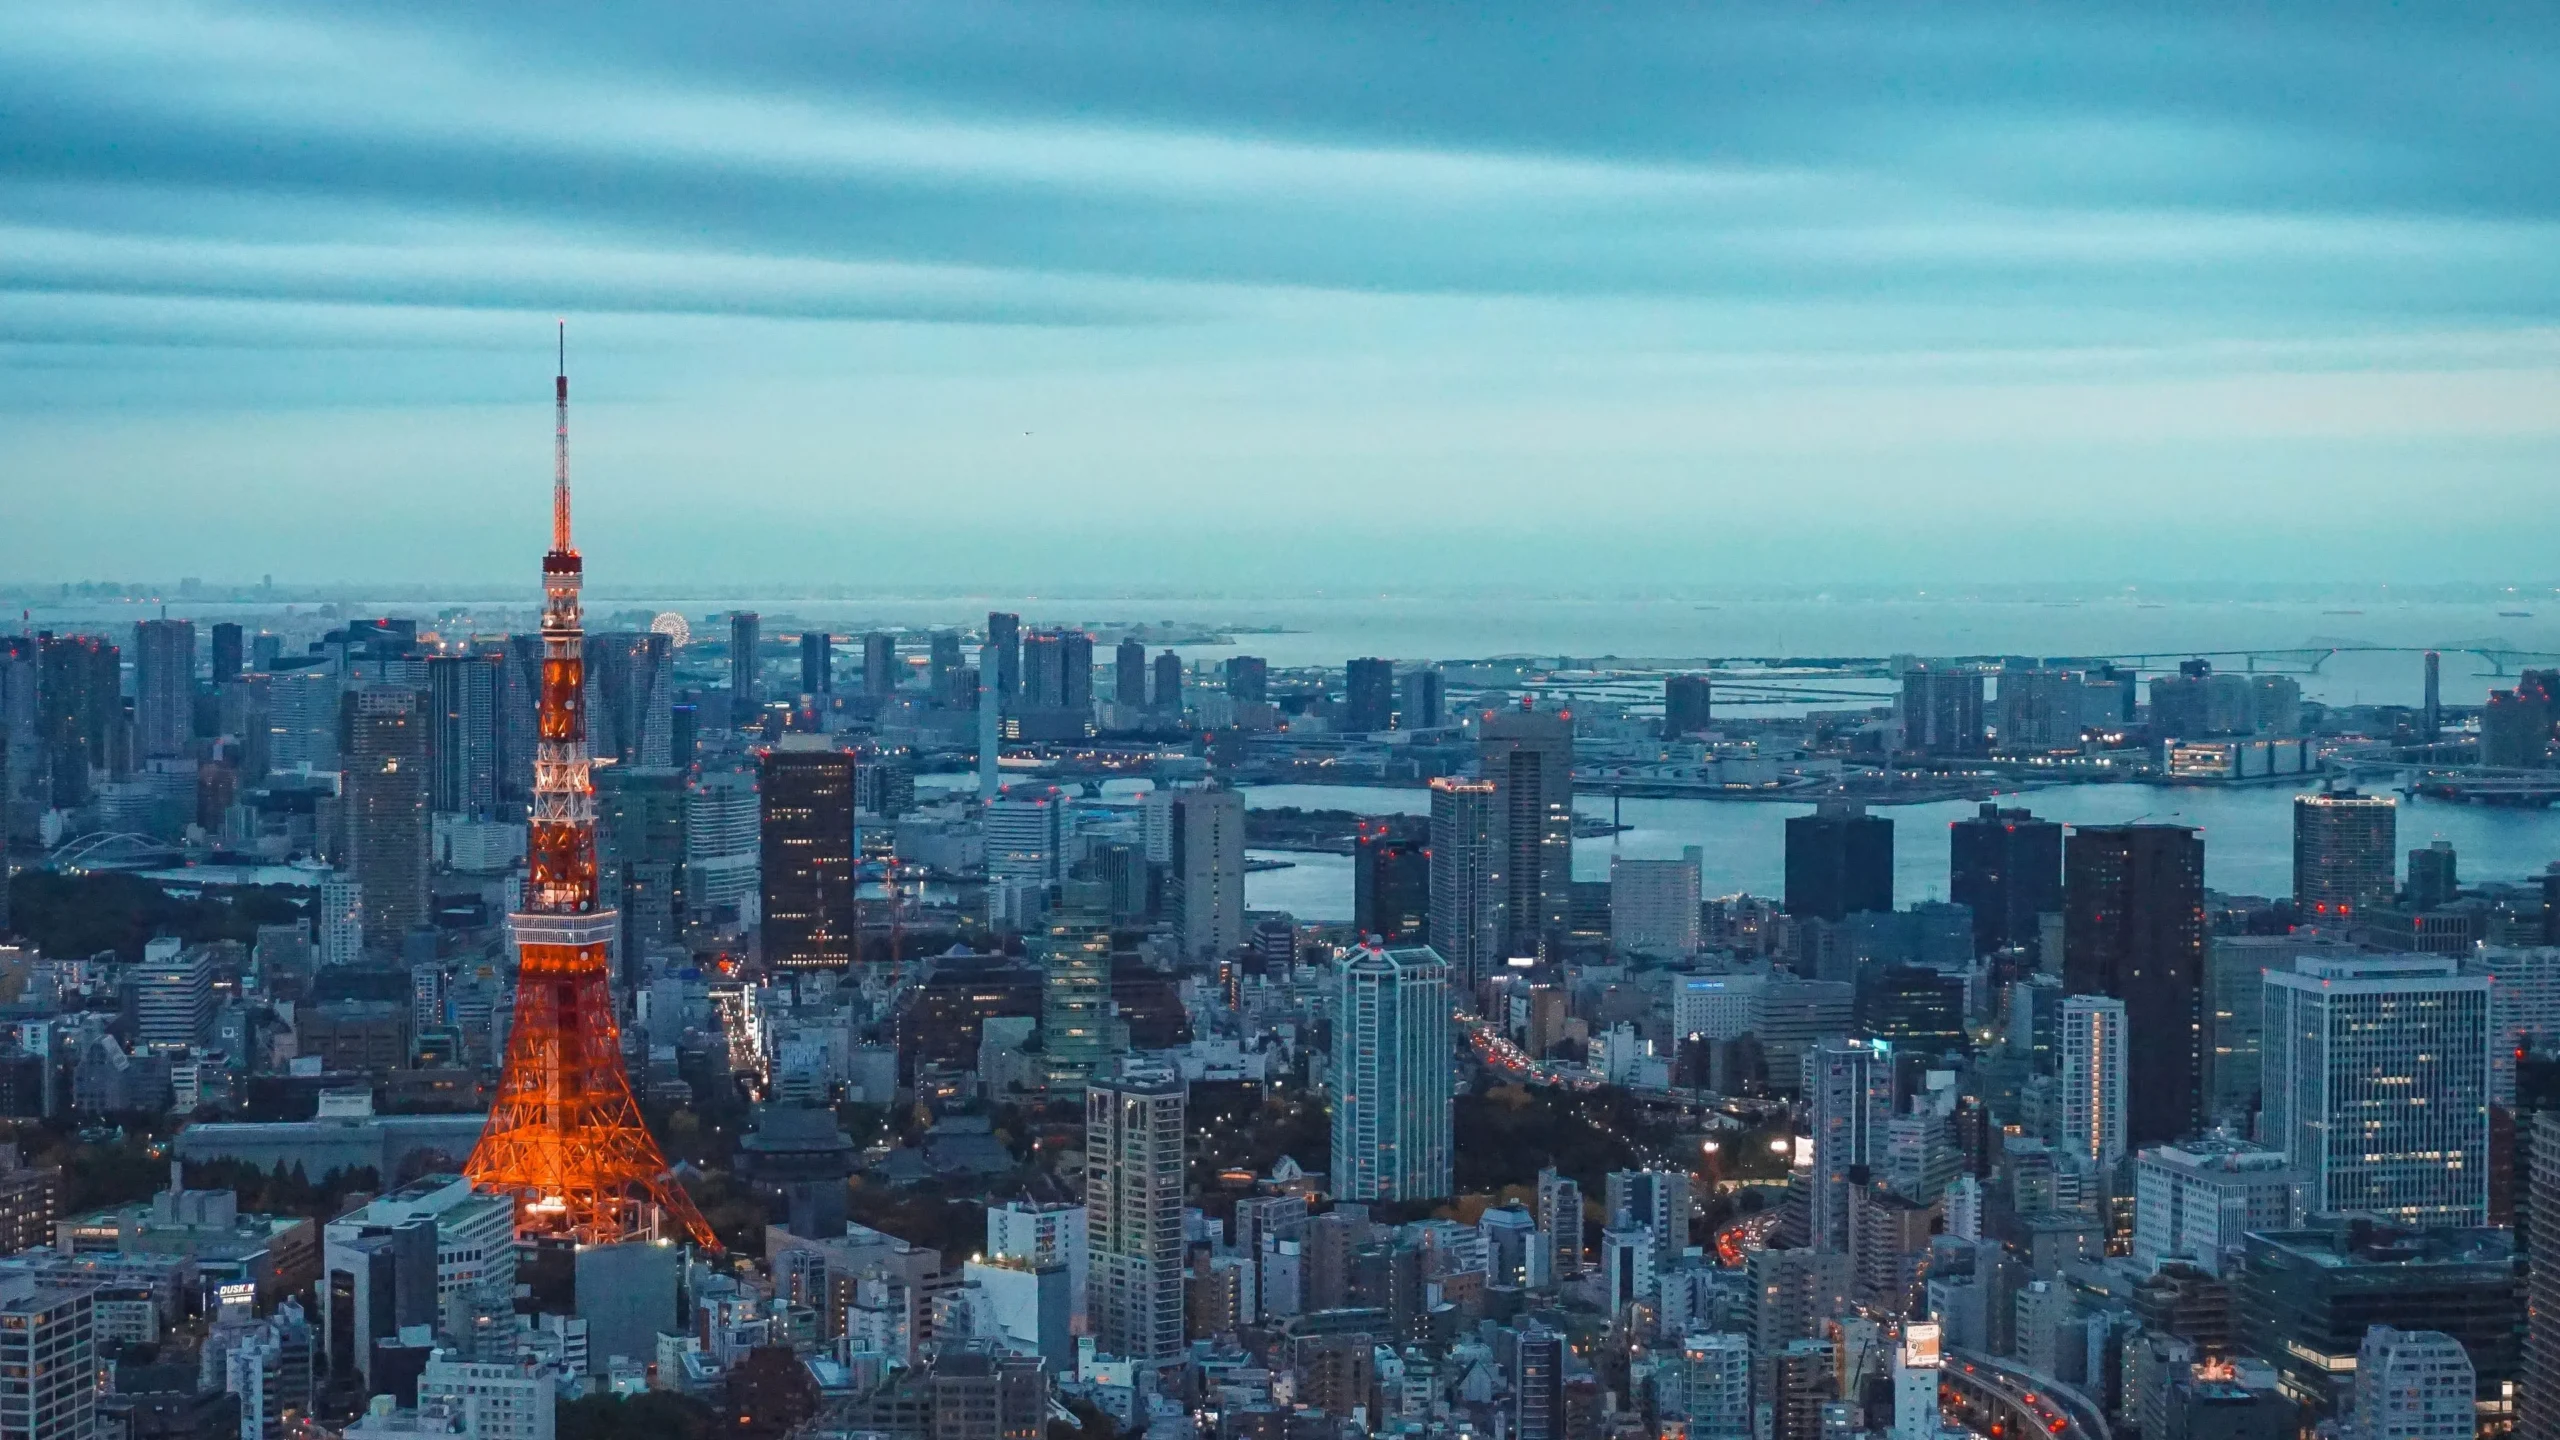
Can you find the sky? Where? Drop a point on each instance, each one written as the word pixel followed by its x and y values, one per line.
pixel 1283 295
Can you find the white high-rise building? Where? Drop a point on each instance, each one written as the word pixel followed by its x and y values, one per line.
pixel 48 1346
pixel 173 997
pixel 341 920
pixel 1653 905
pixel 2093 1068
pixel 1466 880
pixel 1026 836
pixel 1134 1188
pixel 2413 1385
pixel 2524 1009
pixel 2198 1201
pixel 1915 1382
pixel 496 1402
pixel 1849 1087
pixel 1391 1076
pixel 1712 1007
pixel 1206 889
pixel 2377 1086
pixel 1026 1233
pixel 1707 1382
pixel 723 830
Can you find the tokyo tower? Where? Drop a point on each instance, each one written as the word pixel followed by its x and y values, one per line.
pixel 565 1136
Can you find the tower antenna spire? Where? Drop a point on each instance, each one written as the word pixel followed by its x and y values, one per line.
pixel 560 453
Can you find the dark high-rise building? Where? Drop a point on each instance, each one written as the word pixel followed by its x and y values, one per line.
pixel 640 840
pixel 1248 679
pixel 1528 755
pixel 2538 1407
pixel 746 669
pixel 1075 671
pixel 1368 695
pixel 385 806
pixel 164 686
pixel 806 791
pixel 1004 636
pixel 519 695
pixel 2133 928
pixel 2007 865
pixel 879 665
pixel 1687 705
pixel 1941 709
pixel 227 652
pixel 1425 705
pixel 1391 886
pixel 1129 674
pixel 1538 1401
pixel 944 653
pixel 2345 846
pixel 817 662
pixel 2431 714
pixel 2435 876
pixel 1043 676
pixel 1168 696
pixel 462 733
pixel 1839 862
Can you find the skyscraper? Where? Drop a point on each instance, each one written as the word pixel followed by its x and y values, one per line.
pixel 1849 1089
pixel 817 662
pixel 1688 705
pixel 1248 679
pixel 945 656
pixel 2377 1085
pixel 1134 1189
pixel 385 785
pixel 1466 879
pixel 227 652
pixel 2133 928
pixel 2345 845
pixel 1941 708
pixel 1653 905
pixel 1839 861
pixel 462 734
pixel 2538 1407
pixel 1004 637
pixel 879 665
pixel 1528 755
pixel 723 846
pixel 806 854
pixel 1391 1076
pixel 1560 1219
pixel 1168 692
pixel 1026 836
pixel 2093 1071
pixel 1391 886
pixel 630 694
pixel 48 1346
pixel 1206 889
pixel 1078 1033
pixel 1423 703
pixel 173 997
pixel 746 667
pixel 164 686
pixel 2007 866
pixel 1368 695
pixel 1075 672
pixel 1129 674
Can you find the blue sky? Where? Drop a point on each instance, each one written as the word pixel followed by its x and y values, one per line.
pixel 1226 295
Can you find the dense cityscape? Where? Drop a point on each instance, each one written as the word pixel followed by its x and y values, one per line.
pixel 1279 721
pixel 423 1030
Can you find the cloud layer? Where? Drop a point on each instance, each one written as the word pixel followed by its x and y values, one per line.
pixel 1933 288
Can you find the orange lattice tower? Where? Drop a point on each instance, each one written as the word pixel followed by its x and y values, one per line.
pixel 565 1136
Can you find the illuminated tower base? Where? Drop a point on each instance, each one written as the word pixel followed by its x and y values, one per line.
pixel 565 1135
